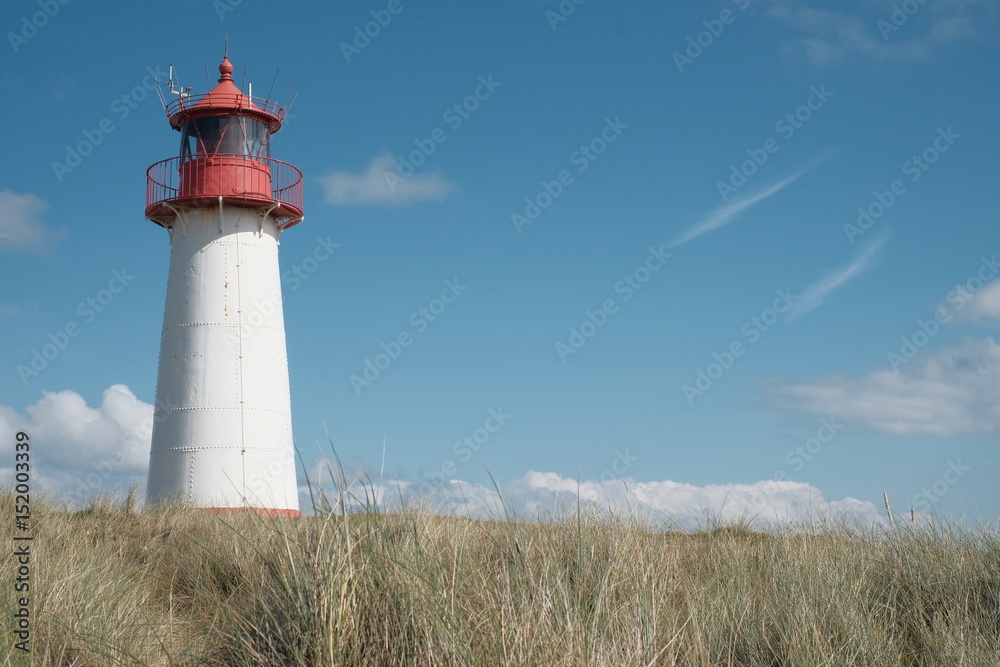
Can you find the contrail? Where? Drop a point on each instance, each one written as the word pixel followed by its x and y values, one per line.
pixel 726 214
pixel 816 293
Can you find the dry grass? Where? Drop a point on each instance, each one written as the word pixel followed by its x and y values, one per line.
pixel 180 587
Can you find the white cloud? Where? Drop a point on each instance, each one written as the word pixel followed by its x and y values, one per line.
pixel 21 227
pixel 816 293
pixel 548 496
pixel 382 184
pixel 978 306
pixel 954 391
pixel 79 451
pixel 834 35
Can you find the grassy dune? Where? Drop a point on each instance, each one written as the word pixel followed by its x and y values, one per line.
pixel 178 587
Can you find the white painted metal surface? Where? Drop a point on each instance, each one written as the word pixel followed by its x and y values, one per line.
pixel 223 434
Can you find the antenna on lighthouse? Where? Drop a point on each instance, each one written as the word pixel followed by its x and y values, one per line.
pixel 273 81
pixel 183 92
pixel 290 94
pixel 159 93
pixel 288 108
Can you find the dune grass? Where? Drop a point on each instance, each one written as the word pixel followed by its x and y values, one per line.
pixel 182 587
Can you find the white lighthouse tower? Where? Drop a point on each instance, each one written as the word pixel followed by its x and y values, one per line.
pixel 223 435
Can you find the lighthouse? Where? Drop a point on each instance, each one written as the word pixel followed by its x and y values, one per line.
pixel 222 436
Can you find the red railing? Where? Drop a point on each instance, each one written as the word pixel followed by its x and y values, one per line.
pixel 224 100
pixel 243 180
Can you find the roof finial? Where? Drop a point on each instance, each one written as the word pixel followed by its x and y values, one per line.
pixel 226 70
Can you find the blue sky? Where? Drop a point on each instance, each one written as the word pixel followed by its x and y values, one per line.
pixel 734 256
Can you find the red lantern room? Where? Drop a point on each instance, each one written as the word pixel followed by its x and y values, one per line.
pixel 225 157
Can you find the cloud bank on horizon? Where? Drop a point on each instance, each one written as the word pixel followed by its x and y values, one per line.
pixel 104 449
pixel 547 496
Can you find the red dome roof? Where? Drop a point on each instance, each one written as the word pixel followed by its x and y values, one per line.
pixel 225 99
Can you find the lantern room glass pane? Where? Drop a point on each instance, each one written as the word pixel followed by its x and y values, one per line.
pixel 225 134
pixel 257 137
